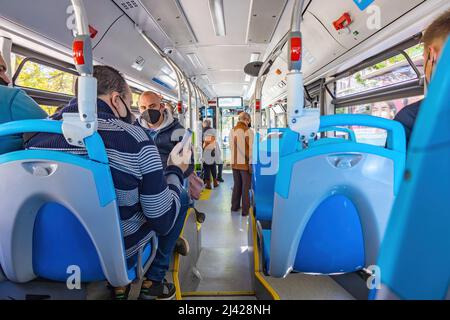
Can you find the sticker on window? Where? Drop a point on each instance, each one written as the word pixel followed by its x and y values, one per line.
pixel 363 4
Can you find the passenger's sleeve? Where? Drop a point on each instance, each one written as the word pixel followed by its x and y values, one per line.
pixel 159 191
pixel 191 167
pixel 24 107
pixel 251 138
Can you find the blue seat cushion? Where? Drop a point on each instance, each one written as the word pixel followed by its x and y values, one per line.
pixel 60 241
pixel 332 241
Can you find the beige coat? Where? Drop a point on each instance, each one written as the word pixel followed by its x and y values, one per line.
pixel 241 144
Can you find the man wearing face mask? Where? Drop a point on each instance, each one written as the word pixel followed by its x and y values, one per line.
pixel 148 196
pixel 434 39
pixel 162 127
pixel 15 105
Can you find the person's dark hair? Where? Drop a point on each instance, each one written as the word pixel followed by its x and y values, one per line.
pixel 438 30
pixel 108 81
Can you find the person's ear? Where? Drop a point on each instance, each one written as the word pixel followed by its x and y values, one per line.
pixel 117 104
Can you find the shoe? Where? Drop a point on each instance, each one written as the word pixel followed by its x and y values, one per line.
pixel 119 293
pixel 200 216
pixel 208 185
pixel 157 291
pixel 245 215
pixel 182 246
pixel 216 184
pixel 220 180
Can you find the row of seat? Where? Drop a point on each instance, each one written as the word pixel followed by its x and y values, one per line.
pixel 331 206
pixel 326 207
pixel 55 207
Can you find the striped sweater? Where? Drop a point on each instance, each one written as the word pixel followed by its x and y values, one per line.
pixel 148 197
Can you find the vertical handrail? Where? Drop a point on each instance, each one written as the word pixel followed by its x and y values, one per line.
pixel 77 127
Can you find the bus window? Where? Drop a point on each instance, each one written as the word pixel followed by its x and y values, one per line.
pixel 389 72
pixel 49 109
pixel 41 77
pixel 385 109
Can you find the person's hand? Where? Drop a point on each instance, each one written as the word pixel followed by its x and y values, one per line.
pixel 180 157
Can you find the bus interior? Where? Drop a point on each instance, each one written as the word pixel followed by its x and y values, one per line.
pixel 340 208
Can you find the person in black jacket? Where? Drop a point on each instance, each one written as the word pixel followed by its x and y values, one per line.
pixel 434 39
pixel 166 131
pixel 161 126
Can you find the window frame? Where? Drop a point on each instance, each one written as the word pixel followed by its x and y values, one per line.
pixel 44 97
pixel 411 88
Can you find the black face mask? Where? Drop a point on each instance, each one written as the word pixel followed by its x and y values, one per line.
pixel 128 118
pixel 3 82
pixel 433 63
pixel 152 116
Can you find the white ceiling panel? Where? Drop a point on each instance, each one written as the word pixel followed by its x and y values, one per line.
pixel 170 16
pixel 236 20
pixel 264 18
pixel 328 11
pixel 228 89
pixel 101 14
pixel 226 76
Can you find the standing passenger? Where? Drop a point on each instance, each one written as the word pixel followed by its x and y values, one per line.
pixel 209 155
pixel 241 143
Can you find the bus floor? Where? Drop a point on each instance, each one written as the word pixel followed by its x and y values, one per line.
pixel 223 264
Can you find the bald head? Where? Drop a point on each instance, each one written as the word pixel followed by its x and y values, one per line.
pixel 150 100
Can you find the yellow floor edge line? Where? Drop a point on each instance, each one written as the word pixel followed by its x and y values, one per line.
pixel 218 294
pixel 176 280
pixel 205 195
pixel 258 273
pixel 176 264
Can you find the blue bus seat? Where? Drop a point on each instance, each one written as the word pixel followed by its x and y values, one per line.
pixel 63 213
pixel 336 197
pixel 263 182
pixel 323 141
pixel 415 254
pixel 266 154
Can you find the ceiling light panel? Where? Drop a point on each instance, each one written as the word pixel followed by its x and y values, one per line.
pixel 218 17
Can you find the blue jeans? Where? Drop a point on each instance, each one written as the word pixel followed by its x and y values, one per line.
pixel 166 244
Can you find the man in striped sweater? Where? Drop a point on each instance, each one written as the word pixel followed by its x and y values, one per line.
pixel 148 197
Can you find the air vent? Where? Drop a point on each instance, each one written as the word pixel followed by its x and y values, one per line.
pixel 127 5
pixel 171 18
pixel 264 19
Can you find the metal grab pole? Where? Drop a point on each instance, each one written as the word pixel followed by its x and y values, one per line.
pixel 166 59
pixel 179 73
pixel 189 103
pixel 297 15
pixel 296 21
pixel 80 17
pixel 306 122
pixel 78 126
pixel 261 79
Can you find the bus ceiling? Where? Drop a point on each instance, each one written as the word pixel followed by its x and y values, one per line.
pixel 343 35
